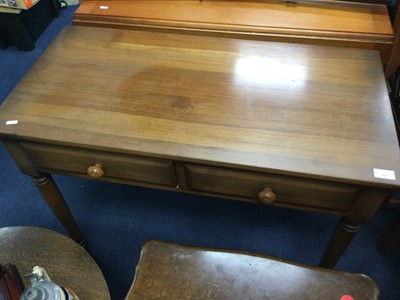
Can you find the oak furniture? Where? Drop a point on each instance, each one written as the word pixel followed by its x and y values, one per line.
pixel 332 23
pixel 66 262
pixel 171 271
pixel 329 23
pixel 298 126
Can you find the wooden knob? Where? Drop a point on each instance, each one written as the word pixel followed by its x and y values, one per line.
pixel 95 171
pixel 267 196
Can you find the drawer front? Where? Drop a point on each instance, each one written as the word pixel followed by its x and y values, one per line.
pixel 75 161
pixel 287 191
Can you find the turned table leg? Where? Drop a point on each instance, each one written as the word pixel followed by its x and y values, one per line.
pixel 364 209
pixel 52 195
pixel 47 188
pixel 340 240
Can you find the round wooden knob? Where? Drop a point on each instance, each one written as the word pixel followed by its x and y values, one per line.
pixel 267 196
pixel 95 171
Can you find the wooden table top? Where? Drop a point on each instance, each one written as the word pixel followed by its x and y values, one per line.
pixel 301 110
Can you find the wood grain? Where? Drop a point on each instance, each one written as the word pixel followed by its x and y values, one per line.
pixel 335 23
pixel 218 116
pixel 206 273
pixel 308 111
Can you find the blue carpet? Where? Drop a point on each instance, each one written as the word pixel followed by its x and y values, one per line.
pixel 117 219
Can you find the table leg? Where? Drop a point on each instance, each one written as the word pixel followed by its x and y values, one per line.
pixel 338 243
pixel 52 195
pixel 364 209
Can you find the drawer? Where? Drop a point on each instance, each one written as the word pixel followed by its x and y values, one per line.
pixel 102 165
pixel 265 188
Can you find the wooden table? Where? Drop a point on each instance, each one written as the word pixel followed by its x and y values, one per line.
pixel 299 126
pixel 66 262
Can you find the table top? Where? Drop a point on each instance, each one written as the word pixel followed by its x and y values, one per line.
pixel 205 273
pixel 66 262
pixel 300 110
